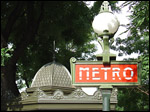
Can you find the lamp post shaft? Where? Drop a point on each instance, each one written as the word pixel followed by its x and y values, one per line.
pixel 106 94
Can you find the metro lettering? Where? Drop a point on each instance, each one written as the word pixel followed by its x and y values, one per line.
pixel 100 73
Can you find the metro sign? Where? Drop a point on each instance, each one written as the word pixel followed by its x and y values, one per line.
pixel 101 73
pixel 93 73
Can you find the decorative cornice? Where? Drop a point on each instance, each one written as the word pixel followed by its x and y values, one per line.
pixel 77 96
pixel 24 95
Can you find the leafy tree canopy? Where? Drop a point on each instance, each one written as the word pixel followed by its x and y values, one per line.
pixel 137 42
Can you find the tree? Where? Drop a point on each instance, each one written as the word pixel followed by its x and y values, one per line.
pixel 71 29
pixel 31 27
pixel 21 17
pixel 66 28
pixel 137 42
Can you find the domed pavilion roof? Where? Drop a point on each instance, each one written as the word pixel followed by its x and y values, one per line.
pixel 52 74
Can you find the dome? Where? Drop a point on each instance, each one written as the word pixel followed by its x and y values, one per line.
pixel 52 74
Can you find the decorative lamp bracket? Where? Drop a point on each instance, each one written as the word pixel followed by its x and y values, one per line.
pixel 106 56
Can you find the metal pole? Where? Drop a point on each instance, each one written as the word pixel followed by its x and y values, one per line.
pixel 106 99
pixel 106 53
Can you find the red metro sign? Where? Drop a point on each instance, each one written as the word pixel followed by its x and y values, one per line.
pixel 117 73
pixel 100 73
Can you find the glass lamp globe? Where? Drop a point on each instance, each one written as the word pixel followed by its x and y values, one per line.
pixel 105 21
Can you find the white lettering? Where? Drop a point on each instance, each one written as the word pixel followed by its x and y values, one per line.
pixel 94 73
pixel 124 73
pixel 87 76
pixel 80 72
pixel 116 73
pixel 105 73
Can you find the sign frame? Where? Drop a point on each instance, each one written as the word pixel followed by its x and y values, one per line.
pixel 74 62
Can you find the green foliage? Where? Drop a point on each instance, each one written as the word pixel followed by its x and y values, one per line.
pixel 136 99
pixel 138 39
pixel 145 66
pixel 66 22
pixel 131 99
pixel 6 53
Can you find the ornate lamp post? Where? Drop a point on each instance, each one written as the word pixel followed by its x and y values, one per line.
pixel 105 24
pixel 105 74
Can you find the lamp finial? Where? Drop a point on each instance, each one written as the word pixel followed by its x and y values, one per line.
pixel 105 7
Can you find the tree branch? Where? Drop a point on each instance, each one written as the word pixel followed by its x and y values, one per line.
pixel 146 92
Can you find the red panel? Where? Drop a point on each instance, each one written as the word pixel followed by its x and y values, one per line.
pixel 110 73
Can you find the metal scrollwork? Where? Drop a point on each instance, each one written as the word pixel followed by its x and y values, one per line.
pixel 79 94
pixel 97 95
pixel 73 59
pixel 58 95
pixel 114 92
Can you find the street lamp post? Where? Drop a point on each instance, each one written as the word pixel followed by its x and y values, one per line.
pixel 105 24
pixel 105 73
